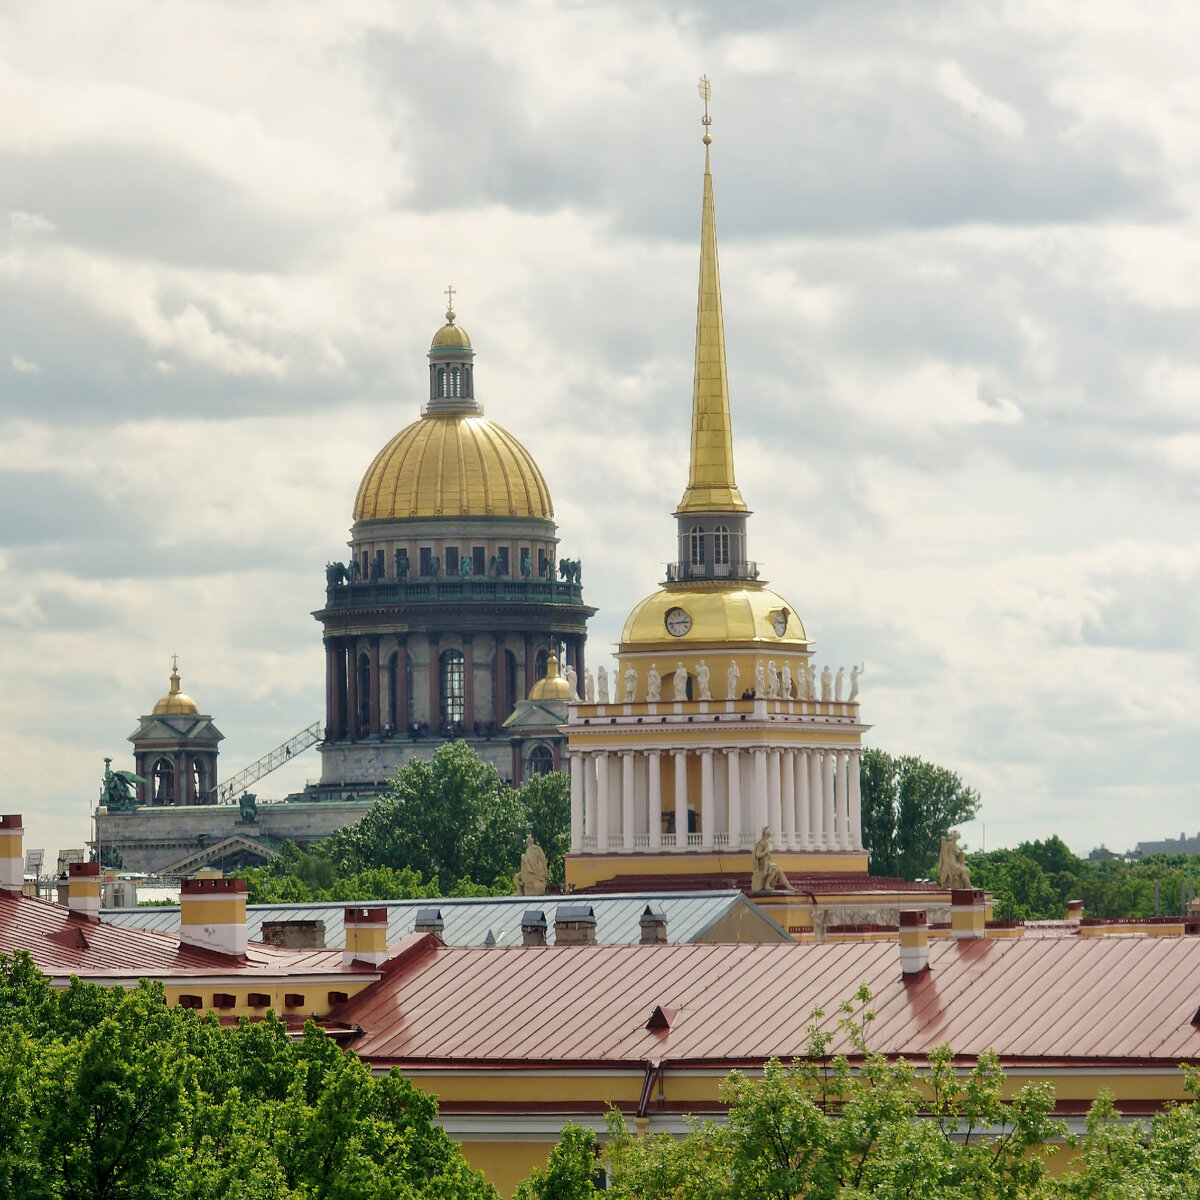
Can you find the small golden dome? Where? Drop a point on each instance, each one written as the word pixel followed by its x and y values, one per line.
pixel 717 613
pixel 453 465
pixel 552 686
pixel 450 336
pixel 175 702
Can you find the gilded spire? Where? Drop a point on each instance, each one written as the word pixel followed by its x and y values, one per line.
pixel 711 485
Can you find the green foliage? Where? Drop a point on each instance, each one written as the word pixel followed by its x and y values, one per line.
pixel 908 806
pixel 450 820
pixel 569 1172
pixel 109 1094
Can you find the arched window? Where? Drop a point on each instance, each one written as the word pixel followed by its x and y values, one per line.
pixel 541 760
pixel 454 689
pixel 721 545
pixel 162 782
pixel 199 784
pixel 466 381
pixel 441 381
pixel 696 546
pixel 539 665
pixel 455 382
pixel 364 695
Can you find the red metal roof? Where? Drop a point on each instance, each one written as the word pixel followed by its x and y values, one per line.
pixel 64 944
pixel 1098 999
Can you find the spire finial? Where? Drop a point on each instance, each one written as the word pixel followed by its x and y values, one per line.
pixel 450 305
pixel 706 120
pixel 174 662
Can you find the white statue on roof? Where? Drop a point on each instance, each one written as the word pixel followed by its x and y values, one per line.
pixel 602 684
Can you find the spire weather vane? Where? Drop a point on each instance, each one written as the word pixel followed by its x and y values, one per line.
pixel 450 302
pixel 705 90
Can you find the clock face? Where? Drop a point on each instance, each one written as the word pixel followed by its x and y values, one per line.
pixel 780 622
pixel 678 622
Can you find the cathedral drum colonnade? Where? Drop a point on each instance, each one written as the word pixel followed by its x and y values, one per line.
pixel 719 726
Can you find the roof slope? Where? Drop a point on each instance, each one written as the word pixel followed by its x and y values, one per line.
pixel 467 922
pixel 1098 999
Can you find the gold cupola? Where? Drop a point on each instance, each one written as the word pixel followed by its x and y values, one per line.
pixel 175 702
pixel 453 462
pixel 552 686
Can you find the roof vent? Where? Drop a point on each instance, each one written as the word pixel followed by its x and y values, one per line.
pixel 429 920
pixel 574 925
pixel 490 940
pixel 663 1017
pixel 654 925
pixel 533 927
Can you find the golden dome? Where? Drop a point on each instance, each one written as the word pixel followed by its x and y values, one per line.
pixel 450 336
pixel 717 613
pixel 175 702
pixel 552 686
pixel 453 465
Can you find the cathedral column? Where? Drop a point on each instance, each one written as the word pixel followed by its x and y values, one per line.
pixel 435 683
pixel 500 676
pixel 580 665
pixel 774 796
pixel 330 707
pixel 707 807
pixel 856 842
pixel 627 799
pixel 760 790
pixel 601 801
pixel 681 806
pixel 654 787
pixel 804 835
pixel 787 777
pixel 400 717
pixel 576 803
pixel 468 640
pixel 353 719
pixel 733 763
pixel 829 812
pixel 530 664
pixel 373 686
pixel 339 689
pixel 816 806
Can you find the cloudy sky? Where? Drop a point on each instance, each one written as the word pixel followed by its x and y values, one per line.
pixel 961 269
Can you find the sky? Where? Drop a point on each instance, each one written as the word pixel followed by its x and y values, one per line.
pixel 960 257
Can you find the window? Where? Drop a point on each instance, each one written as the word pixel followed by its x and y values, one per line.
pixel 541 760
pixel 539 664
pixel 426 557
pixel 364 695
pixel 721 545
pixel 163 782
pixel 455 382
pixel 441 381
pixel 451 560
pixel 466 381
pixel 502 555
pixel 479 560
pixel 696 546
pixel 453 689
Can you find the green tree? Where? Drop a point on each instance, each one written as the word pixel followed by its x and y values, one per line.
pixel 908 806
pixel 569 1173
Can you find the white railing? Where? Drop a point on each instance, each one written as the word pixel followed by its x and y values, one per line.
pixel 588 842
pixel 747 841
pixel 720 840
pixel 641 841
pixel 668 841
pixel 695 839
pixel 615 841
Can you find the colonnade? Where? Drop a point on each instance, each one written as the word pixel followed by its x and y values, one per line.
pixel 810 798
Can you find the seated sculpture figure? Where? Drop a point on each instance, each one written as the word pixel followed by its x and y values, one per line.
pixel 533 874
pixel 953 871
pixel 767 876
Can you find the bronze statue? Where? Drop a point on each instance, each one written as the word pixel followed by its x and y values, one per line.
pixel 767 876
pixel 531 879
pixel 402 565
pixel 248 804
pixel 118 791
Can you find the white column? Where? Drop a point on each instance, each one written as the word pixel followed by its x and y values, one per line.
pixel 601 802
pixel 681 806
pixel 856 842
pixel 760 790
pixel 655 784
pixel 707 808
pixel 804 836
pixel 841 801
pixel 733 762
pixel 827 807
pixel 774 797
pixel 815 804
pixel 627 800
pixel 787 777
pixel 576 803
pixel 588 762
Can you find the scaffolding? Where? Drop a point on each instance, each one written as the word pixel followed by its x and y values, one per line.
pixel 228 791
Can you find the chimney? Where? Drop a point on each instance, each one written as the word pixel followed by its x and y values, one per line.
pixel 533 927
pixel 83 889
pixel 968 913
pixel 366 936
pixel 914 942
pixel 212 914
pixel 429 920
pixel 294 935
pixel 12 860
pixel 574 925
pixel 1074 910
pixel 654 925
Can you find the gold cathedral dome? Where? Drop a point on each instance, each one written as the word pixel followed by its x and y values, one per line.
pixel 552 686
pixel 453 462
pixel 175 702
pixel 732 616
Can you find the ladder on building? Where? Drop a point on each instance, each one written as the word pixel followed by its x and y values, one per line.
pixel 229 790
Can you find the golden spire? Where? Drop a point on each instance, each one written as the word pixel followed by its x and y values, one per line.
pixel 711 486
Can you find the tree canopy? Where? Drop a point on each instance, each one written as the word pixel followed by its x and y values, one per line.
pixel 111 1095
pixel 908 806
pixel 447 826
